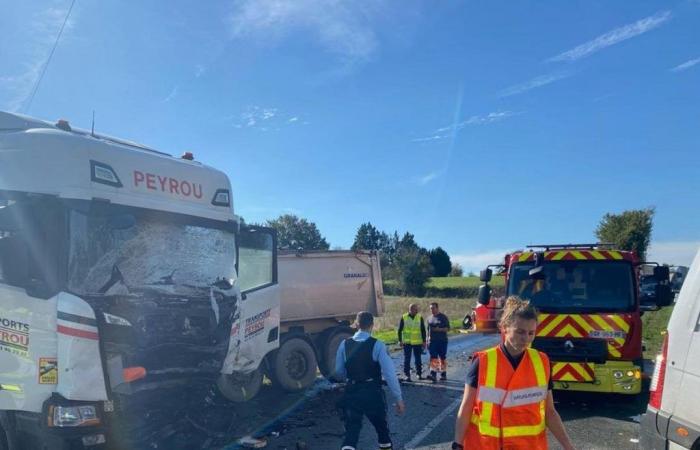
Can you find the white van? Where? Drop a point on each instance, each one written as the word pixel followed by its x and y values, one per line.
pixel 672 420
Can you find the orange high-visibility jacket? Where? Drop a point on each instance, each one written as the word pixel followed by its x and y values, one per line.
pixel 509 412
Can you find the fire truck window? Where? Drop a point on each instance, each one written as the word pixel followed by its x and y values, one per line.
pixel 583 285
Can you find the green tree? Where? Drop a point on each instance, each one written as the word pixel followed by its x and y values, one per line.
pixel 410 265
pixel 368 237
pixel 440 261
pixel 411 269
pixel 629 230
pixel 456 270
pixel 294 232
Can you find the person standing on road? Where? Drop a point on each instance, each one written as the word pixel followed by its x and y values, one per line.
pixel 363 360
pixel 507 400
pixel 412 339
pixel 438 326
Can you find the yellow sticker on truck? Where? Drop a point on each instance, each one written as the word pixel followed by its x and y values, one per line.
pixel 48 371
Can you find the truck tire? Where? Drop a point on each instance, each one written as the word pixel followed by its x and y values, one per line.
pixel 329 350
pixel 294 365
pixel 240 387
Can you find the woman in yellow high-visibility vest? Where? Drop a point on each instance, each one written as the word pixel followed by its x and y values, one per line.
pixel 507 402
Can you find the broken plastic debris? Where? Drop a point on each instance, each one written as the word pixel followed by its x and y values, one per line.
pixel 251 442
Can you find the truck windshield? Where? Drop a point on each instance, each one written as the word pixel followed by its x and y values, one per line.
pixel 584 286
pixel 145 250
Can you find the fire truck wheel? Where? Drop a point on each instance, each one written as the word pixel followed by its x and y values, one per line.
pixel 294 365
pixel 240 387
pixel 330 348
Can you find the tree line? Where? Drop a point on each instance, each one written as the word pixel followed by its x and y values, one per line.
pixel 402 258
pixel 409 265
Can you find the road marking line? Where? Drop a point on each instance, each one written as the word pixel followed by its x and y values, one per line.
pixel 434 386
pixel 418 438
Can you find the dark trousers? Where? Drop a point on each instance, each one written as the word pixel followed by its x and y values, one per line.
pixel 438 356
pixel 365 399
pixel 417 351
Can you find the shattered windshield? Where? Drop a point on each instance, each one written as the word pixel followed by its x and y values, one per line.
pixel 581 285
pixel 127 252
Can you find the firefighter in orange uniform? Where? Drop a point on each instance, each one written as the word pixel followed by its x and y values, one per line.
pixel 508 401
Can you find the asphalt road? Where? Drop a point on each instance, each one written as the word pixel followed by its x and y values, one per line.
pixel 310 420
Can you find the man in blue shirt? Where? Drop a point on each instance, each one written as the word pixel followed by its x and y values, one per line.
pixel 362 360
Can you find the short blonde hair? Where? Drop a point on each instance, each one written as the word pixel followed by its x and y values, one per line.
pixel 517 308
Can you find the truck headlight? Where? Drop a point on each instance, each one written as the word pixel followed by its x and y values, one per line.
pixel 73 416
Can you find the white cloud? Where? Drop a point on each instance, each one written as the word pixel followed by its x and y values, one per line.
pixel 41 36
pixel 446 132
pixel 686 65
pixel 534 83
pixel 679 253
pixel 614 37
pixel 427 178
pixel 199 70
pixel 172 95
pixel 265 119
pixel 340 26
pixel 474 262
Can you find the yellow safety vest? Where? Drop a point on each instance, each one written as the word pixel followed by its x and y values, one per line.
pixel 411 330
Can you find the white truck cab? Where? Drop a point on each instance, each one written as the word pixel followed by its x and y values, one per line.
pixel 120 301
pixel 672 420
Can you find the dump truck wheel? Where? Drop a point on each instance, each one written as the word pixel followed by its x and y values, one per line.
pixel 330 348
pixel 240 387
pixel 294 365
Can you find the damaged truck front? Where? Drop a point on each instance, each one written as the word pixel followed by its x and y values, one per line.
pixel 120 305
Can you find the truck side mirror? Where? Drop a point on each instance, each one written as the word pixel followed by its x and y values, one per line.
pixel 484 294
pixel 664 296
pixel 537 272
pixel 661 273
pixel 485 275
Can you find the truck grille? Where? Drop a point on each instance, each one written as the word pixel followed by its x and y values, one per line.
pixel 573 349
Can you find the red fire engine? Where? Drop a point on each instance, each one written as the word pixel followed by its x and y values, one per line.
pixel 590 319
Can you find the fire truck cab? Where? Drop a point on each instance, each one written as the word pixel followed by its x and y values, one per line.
pixel 589 323
pixel 120 301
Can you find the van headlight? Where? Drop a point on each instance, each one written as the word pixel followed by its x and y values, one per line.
pixel 73 416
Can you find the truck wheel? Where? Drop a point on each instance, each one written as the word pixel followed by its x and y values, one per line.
pixel 330 348
pixel 238 387
pixel 294 365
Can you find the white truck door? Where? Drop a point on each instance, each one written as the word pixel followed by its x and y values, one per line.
pixel 257 331
pixel 688 356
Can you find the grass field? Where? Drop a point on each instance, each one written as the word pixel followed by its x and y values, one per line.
pixel 385 327
pixel 653 329
pixel 458 282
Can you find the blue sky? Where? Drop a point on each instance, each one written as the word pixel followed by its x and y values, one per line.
pixel 477 126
